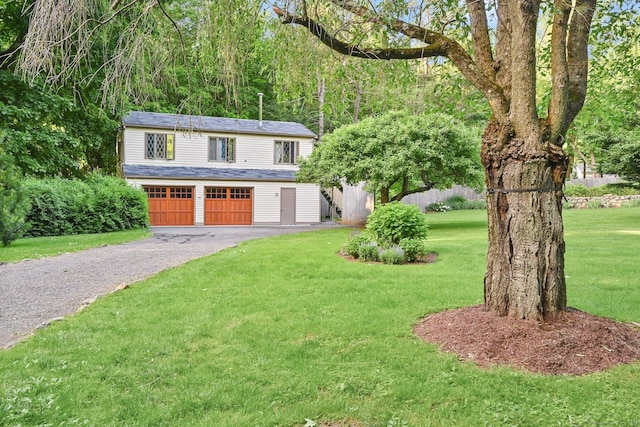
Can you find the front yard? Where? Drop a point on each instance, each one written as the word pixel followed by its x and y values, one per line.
pixel 283 331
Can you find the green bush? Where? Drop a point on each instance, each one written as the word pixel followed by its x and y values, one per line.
pixel 455 203
pixel 438 207
pixel 594 204
pixel 620 189
pixel 395 221
pixel 13 201
pixel 369 252
pixel 97 205
pixel 393 255
pixel 353 245
pixel 413 249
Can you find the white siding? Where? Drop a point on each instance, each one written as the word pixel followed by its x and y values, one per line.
pixel 266 203
pixel 307 203
pixel 191 149
pixel 266 198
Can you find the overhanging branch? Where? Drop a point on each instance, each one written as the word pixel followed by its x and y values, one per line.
pixel 436 45
pixel 346 49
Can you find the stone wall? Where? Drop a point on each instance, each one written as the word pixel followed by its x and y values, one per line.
pixel 606 201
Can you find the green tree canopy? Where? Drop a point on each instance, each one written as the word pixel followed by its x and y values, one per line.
pixel 397 153
pixel 13 200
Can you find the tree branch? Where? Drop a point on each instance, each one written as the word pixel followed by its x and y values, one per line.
pixel 403 193
pixel 559 70
pixel 578 58
pixel 523 112
pixel 437 45
pixel 8 56
pixel 480 35
pixel 453 51
pixel 346 49
pixel 503 49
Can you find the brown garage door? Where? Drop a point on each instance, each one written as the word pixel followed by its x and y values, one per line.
pixel 170 205
pixel 228 206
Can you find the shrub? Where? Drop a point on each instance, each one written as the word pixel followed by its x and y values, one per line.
pixel 368 252
pixel 395 221
pixel 620 189
pixel 353 245
pixel 413 249
pixel 97 205
pixel 393 255
pixel 438 207
pixel 455 203
pixel 13 201
pixel 594 204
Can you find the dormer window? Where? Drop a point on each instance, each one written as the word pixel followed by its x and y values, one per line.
pixel 222 149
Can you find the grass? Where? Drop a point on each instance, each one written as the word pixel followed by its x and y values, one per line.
pixel 40 247
pixel 279 331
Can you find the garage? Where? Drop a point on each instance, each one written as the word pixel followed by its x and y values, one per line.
pixel 228 206
pixel 170 205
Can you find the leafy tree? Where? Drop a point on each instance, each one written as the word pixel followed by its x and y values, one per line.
pixel 399 152
pixel 525 165
pixel 621 155
pixel 13 201
pixel 51 134
pixel 62 133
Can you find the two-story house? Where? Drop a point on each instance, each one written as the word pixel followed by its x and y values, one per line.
pixel 218 171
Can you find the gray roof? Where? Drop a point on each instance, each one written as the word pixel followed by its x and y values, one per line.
pixel 188 172
pixel 214 124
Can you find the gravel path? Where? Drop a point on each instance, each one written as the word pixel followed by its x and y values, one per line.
pixel 35 292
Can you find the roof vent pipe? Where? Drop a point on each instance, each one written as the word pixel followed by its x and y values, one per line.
pixel 260 110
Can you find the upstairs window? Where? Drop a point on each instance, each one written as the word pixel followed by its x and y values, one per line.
pixel 285 152
pixel 222 149
pixel 159 146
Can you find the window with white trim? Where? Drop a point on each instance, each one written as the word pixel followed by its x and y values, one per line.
pixel 159 146
pixel 222 149
pixel 285 152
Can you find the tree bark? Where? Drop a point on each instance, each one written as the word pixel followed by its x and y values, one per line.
pixel 321 93
pixel 384 195
pixel 525 259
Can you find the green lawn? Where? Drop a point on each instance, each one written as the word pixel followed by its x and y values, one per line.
pixel 40 247
pixel 281 330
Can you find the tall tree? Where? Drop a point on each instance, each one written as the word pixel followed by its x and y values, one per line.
pixel 396 154
pixel 524 163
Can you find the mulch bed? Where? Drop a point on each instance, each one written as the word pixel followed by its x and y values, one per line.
pixel 574 342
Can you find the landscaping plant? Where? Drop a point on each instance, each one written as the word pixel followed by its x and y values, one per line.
pixel 392 222
pixel 98 204
pixel 13 201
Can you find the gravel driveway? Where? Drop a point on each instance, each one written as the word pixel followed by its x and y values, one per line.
pixel 35 292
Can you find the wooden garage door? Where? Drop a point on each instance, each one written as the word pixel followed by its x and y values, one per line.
pixel 170 205
pixel 228 206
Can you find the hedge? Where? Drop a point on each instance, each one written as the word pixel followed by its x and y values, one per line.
pixel 98 204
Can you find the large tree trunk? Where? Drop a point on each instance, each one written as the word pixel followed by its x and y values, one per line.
pixel 525 259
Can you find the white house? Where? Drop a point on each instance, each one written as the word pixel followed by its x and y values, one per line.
pixel 218 171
